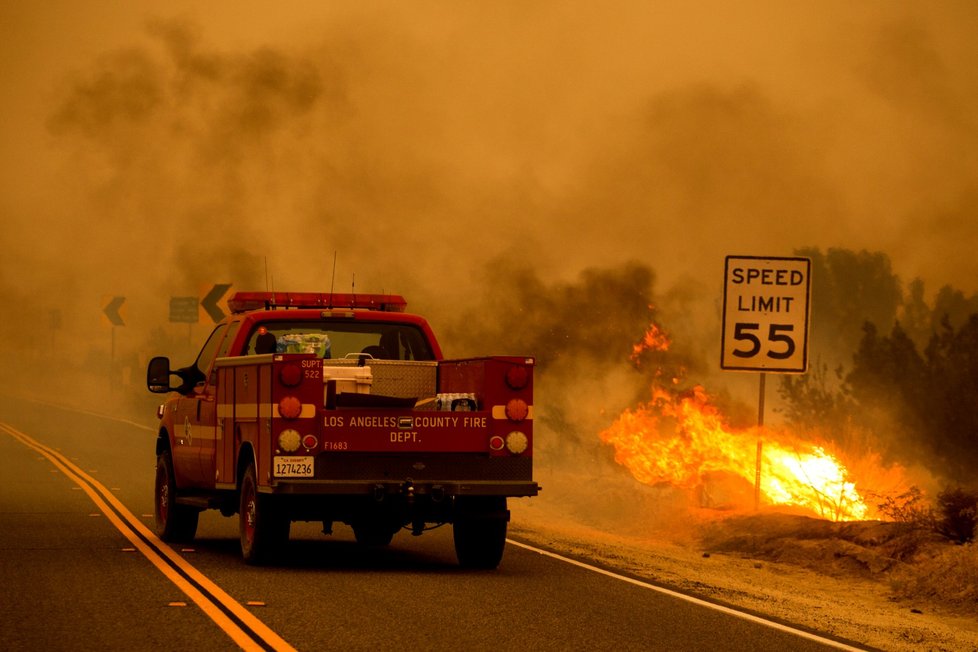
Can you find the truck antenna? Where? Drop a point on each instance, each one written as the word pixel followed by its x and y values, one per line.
pixel 332 281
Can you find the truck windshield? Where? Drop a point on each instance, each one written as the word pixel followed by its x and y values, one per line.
pixel 381 340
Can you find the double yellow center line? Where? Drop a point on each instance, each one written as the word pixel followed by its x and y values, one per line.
pixel 247 631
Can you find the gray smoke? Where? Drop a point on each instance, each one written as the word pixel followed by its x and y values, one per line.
pixel 544 171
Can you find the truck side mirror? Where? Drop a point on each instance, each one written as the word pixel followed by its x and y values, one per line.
pixel 158 375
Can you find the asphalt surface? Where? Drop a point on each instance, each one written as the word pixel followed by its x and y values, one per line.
pixel 78 572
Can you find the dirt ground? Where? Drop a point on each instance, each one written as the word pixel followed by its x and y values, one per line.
pixel 878 584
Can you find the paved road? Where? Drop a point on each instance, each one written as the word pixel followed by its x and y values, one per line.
pixel 80 570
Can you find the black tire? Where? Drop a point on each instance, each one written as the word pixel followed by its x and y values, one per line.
pixel 174 523
pixel 480 531
pixel 264 529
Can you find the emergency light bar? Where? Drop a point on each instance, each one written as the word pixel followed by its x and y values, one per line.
pixel 244 301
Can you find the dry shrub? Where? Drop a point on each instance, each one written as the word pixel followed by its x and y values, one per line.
pixel 914 520
pixel 948 574
pixel 909 509
pixel 957 509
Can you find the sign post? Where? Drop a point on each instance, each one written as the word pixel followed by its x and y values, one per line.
pixel 184 310
pixel 765 323
pixel 113 314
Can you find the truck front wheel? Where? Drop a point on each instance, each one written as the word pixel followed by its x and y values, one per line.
pixel 264 530
pixel 480 531
pixel 174 523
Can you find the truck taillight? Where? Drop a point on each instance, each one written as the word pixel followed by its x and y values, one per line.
pixel 290 374
pixel 516 442
pixel 518 376
pixel 288 440
pixel 290 407
pixel 517 410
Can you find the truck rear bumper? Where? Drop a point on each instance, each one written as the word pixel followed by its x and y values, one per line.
pixel 428 468
pixel 379 489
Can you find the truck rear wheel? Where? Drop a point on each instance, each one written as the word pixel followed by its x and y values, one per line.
pixel 480 531
pixel 174 523
pixel 264 530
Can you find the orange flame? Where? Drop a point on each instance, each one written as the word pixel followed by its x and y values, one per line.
pixel 681 438
pixel 655 339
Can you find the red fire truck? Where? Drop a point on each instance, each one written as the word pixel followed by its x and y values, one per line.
pixel 340 408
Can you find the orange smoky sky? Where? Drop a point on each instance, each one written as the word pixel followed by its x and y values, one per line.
pixel 150 149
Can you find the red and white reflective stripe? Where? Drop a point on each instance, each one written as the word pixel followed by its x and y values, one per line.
pixel 259 410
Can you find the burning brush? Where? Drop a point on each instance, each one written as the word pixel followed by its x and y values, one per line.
pixel 680 438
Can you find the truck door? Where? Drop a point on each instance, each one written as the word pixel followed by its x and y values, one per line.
pixel 195 419
pixel 211 443
pixel 194 422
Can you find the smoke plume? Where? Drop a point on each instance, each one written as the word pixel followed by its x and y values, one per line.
pixel 541 179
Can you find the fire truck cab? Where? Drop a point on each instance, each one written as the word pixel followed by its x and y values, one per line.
pixel 341 408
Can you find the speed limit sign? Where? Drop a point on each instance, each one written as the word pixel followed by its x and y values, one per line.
pixel 765 314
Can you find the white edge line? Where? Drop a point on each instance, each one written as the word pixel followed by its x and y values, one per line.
pixel 688 598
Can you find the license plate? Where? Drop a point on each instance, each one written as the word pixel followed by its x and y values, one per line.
pixel 293 466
